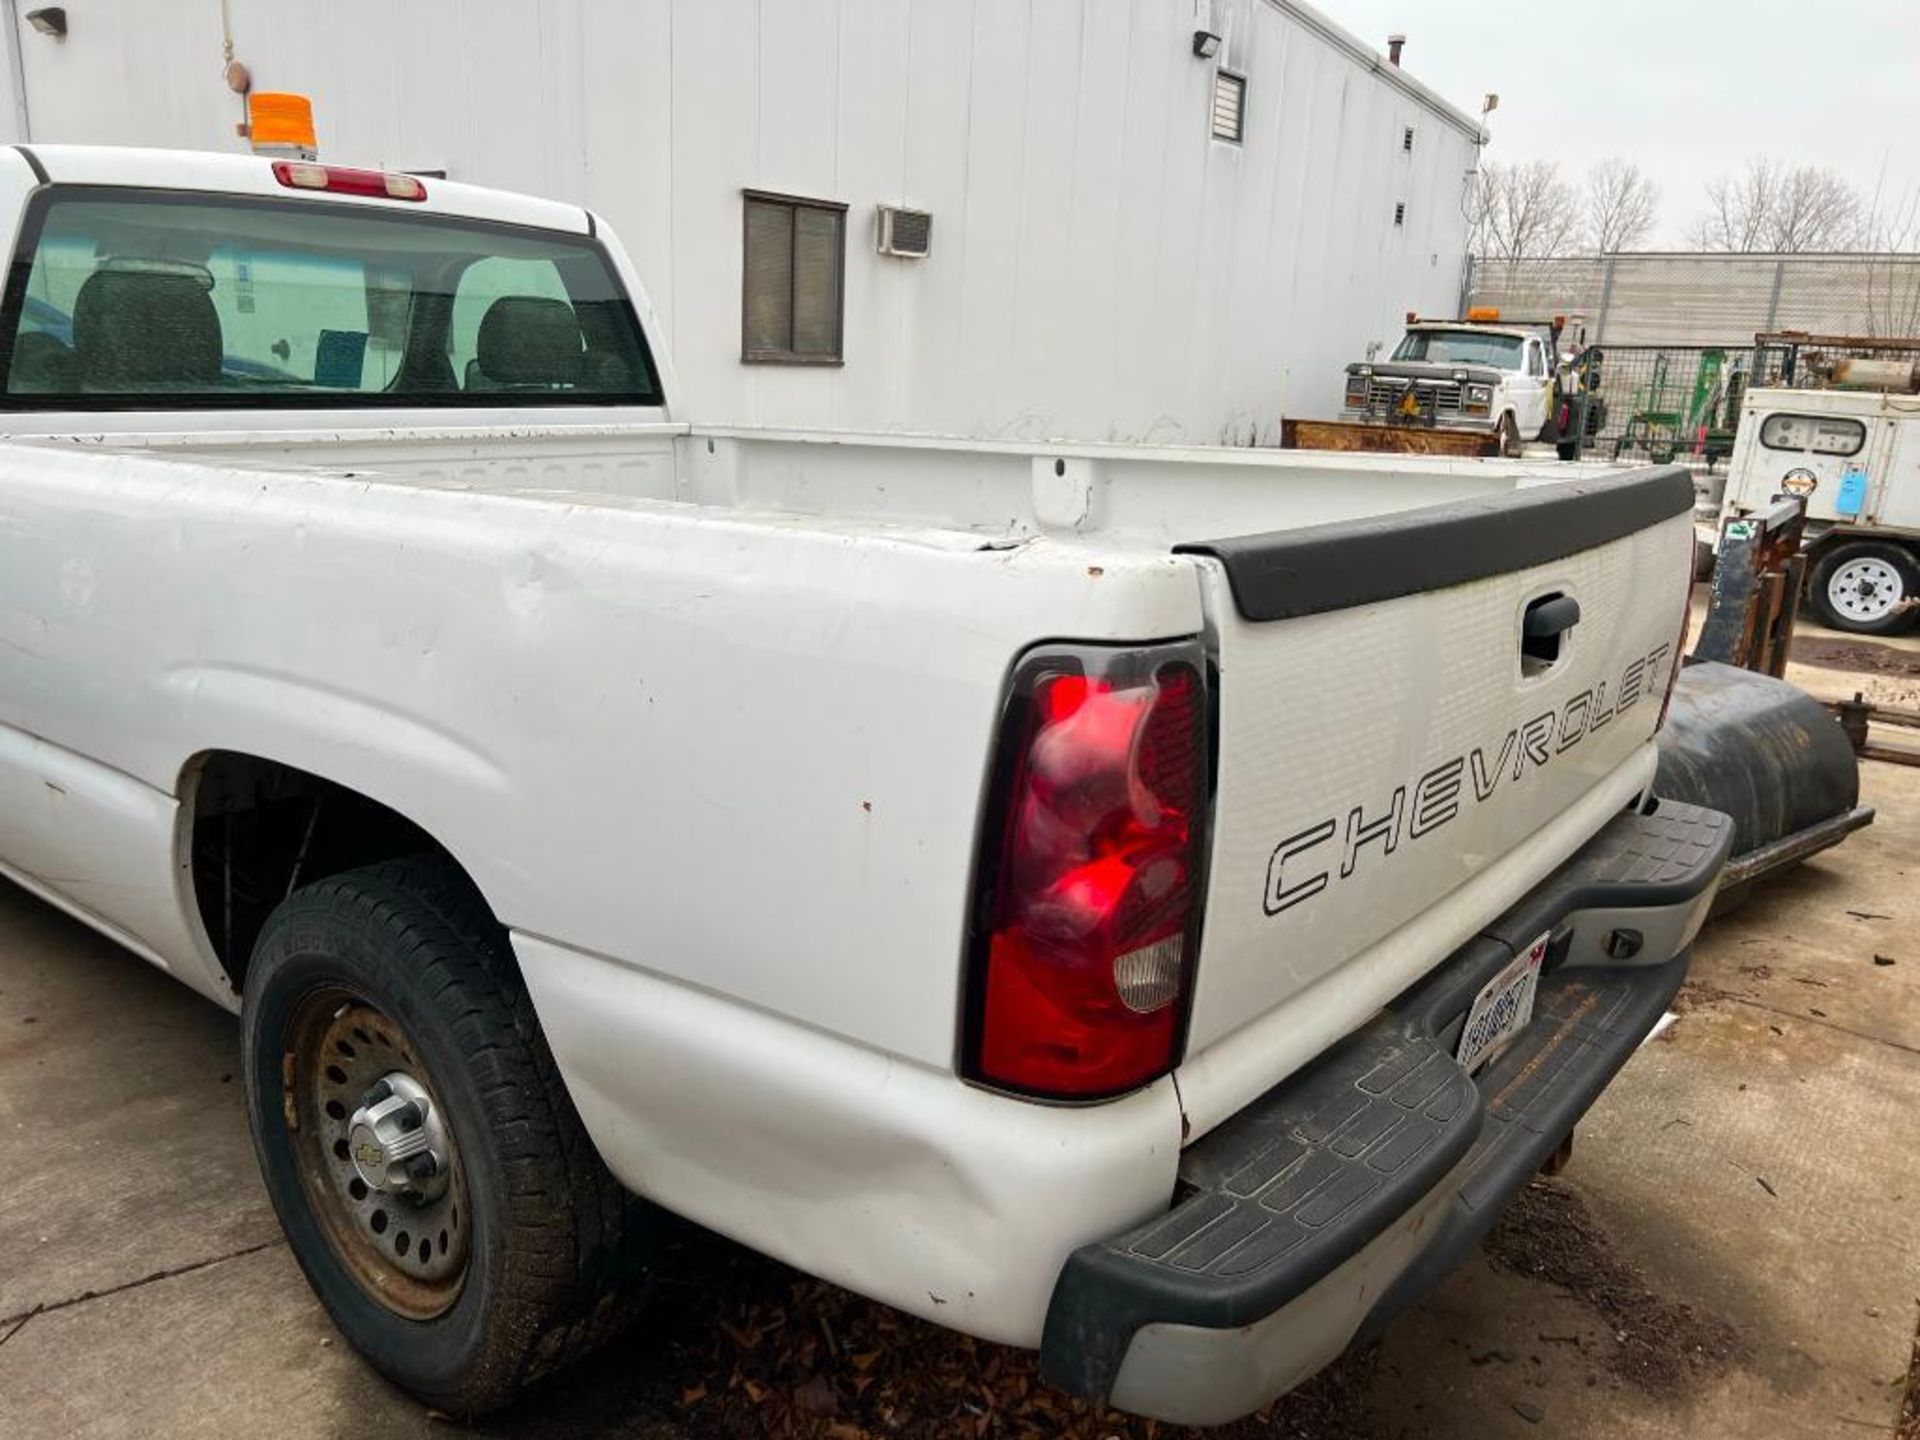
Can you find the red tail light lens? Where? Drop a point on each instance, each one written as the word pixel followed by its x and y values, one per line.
pixel 345 180
pixel 1090 870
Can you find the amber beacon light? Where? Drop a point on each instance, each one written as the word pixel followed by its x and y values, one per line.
pixel 281 124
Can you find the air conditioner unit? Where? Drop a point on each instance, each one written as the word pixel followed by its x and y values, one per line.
pixel 905 233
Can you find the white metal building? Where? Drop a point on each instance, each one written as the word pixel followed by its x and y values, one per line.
pixel 1107 260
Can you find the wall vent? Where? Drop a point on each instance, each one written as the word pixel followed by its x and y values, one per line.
pixel 905 233
pixel 1406 139
pixel 1400 213
pixel 1229 106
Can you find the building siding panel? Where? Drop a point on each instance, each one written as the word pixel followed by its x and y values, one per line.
pixel 1101 267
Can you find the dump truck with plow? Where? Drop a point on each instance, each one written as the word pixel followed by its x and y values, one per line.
pixel 1477 386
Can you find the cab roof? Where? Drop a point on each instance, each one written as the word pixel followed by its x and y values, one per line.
pixel 1476 327
pixel 209 172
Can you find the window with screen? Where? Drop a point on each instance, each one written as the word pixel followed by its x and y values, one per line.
pixel 167 300
pixel 792 288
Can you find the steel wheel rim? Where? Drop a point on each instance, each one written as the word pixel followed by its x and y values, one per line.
pixel 408 1252
pixel 1866 589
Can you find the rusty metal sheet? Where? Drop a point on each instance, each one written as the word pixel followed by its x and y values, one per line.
pixel 1756 589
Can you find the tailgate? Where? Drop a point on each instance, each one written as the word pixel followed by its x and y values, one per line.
pixel 1382 737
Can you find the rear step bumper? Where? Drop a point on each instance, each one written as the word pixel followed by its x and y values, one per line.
pixel 1341 1196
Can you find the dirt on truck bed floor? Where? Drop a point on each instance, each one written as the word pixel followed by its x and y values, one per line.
pixel 1734 1250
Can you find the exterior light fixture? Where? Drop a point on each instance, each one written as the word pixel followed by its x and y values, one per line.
pixel 282 124
pixel 49 20
pixel 1206 44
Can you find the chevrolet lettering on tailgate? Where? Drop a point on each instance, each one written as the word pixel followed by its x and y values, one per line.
pixel 1300 868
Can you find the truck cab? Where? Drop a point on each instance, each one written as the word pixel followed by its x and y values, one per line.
pixel 1474 374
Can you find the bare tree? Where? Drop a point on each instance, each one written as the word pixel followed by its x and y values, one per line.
pixel 1815 210
pixel 1618 204
pixel 1890 233
pixel 1770 207
pixel 1522 210
pixel 1737 210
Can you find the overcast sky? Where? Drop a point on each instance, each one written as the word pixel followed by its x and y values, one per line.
pixel 1686 89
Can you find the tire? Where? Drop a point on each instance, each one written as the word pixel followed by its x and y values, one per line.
pixel 552 1253
pixel 1866 587
pixel 1511 445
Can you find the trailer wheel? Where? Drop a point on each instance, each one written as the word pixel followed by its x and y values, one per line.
pixel 1866 587
pixel 1511 445
pixel 426 1163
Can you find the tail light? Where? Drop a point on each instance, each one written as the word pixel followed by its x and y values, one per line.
pixel 1088 908
pixel 345 180
pixel 1680 645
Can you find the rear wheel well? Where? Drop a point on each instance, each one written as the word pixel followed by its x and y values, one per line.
pixel 260 829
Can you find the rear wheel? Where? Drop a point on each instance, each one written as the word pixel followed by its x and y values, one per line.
pixel 1867 587
pixel 429 1169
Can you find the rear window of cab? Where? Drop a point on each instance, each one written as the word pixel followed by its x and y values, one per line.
pixel 124 299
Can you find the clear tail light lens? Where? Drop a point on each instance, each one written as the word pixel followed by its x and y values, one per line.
pixel 1087 917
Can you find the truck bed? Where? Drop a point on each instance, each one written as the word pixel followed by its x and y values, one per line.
pixel 638 581
pixel 1153 495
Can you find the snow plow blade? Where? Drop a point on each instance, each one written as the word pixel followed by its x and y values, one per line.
pixel 1355 436
pixel 1767 754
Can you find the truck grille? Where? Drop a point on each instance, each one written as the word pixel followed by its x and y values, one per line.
pixel 1442 395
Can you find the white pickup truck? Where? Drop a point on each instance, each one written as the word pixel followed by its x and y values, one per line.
pixel 1151 905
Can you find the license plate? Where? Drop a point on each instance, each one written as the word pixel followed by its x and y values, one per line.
pixel 1502 1008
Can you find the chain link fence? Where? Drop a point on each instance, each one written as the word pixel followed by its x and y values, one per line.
pixel 1659 402
pixel 1812 362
